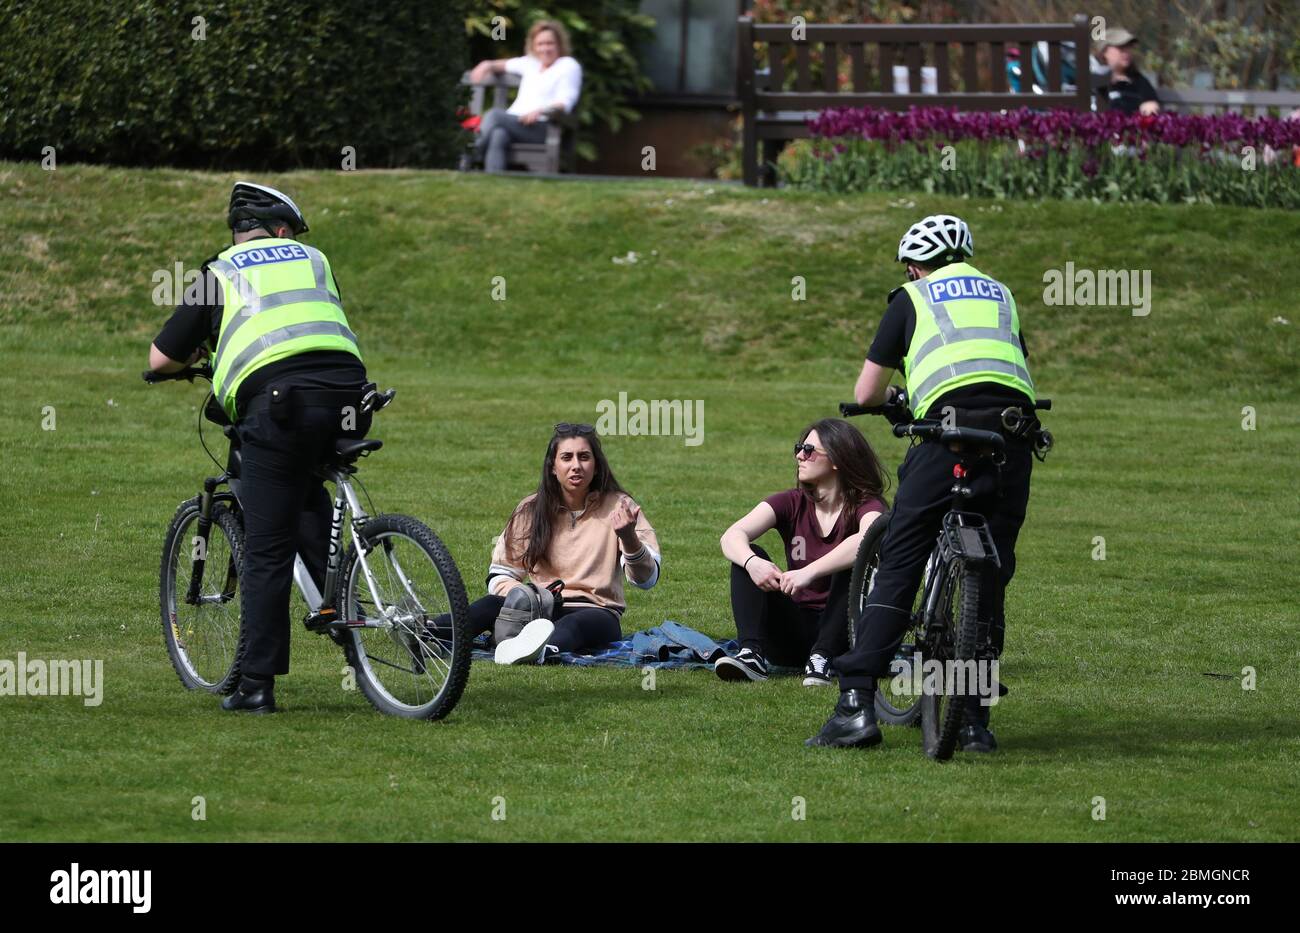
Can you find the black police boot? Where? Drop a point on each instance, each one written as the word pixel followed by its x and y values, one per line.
pixel 974 735
pixel 853 725
pixel 255 695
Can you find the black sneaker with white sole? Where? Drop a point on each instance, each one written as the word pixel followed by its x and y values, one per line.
pixel 817 672
pixel 746 665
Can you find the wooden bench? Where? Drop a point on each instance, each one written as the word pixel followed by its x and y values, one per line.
pixel 1247 103
pixel 553 156
pixel 772 114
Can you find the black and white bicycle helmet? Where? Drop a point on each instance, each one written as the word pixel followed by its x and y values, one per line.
pixel 939 236
pixel 253 206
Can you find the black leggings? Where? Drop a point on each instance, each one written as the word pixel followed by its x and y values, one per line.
pixel 579 627
pixel 773 625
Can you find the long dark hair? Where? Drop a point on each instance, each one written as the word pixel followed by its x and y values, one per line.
pixel 541 511
pixel 861 475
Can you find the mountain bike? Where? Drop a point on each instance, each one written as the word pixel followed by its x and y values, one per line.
pixel 944 625
pixel 394 602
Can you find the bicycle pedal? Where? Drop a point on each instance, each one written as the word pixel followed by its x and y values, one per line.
pixel 321 620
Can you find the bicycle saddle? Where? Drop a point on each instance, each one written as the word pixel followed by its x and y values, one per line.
pixel 980 442
pixel 349 449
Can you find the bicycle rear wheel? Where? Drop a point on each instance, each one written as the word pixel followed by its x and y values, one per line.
pixel 202 634
pixel 412 659
pixel 954 640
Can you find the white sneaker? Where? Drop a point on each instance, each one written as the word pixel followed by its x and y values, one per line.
pixel 525 647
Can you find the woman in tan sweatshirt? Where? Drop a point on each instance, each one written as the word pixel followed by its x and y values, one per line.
pixel 579 527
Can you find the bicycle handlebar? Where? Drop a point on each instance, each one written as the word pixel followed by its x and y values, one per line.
pixel 895 410
pixel 188 374
pixel 899 407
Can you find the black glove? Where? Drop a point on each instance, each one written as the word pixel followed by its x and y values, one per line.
pixel 895 408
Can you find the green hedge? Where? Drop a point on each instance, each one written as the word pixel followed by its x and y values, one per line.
pixel 278 84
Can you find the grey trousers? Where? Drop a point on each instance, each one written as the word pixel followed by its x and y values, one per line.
pixel 497 131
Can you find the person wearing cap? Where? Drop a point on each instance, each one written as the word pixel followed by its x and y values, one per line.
pixel 955 334
pixel 287 372
pixel 1123 87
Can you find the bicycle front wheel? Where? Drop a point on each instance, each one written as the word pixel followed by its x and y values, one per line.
pixel 864 573
pixel 953 643
pixel 198 593
pixel 897 709
pixel 411 650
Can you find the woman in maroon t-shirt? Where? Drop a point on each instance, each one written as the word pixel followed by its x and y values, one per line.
pixel 798 616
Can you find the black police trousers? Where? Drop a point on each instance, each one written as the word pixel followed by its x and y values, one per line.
pixel 286 512
pixel 924 496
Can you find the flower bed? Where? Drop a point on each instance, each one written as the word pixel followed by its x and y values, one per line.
pixel 1170 157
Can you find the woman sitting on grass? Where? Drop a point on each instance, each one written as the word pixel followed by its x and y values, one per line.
pixel 800 615
pixel 579 527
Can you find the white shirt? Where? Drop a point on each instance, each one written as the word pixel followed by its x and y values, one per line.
pixel 542 90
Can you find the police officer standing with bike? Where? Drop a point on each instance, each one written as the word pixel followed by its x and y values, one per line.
pixel 955 333
pixel 287 372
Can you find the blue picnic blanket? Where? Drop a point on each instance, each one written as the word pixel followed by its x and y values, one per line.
pixel 670 645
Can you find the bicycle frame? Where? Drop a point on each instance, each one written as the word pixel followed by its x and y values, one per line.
pixel 345 503
pixel 963 541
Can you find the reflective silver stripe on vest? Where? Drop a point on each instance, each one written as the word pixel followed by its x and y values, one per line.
pixel 277 336
pixel 951 333
pixel 255 304
pixel 966 367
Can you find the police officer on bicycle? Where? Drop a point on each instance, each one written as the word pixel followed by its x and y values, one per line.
pixel 955 333
pixel 287 372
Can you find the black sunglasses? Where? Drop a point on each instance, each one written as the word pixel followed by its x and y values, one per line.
pixel 806 449
pixel 566 429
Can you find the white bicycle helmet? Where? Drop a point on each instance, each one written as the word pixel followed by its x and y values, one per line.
pixel 937 236
pixel 253 206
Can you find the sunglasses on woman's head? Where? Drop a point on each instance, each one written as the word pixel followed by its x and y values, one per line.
pixel 807 450
pixel 565 429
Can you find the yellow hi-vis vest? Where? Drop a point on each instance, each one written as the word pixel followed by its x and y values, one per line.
pixel 280 300
pixel 967 331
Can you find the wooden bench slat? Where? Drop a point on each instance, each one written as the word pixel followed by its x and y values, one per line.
pixel 830 68
pixel 858 65
pixel 999 68
pixel 912 54
pixel 776 66
pixel 1054 55
pixel 970 69
pixel 941 67
pixel 926 32
pixel 803 69
pixel 980 100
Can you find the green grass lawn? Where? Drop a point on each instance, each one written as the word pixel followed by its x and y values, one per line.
pixel 1107 660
